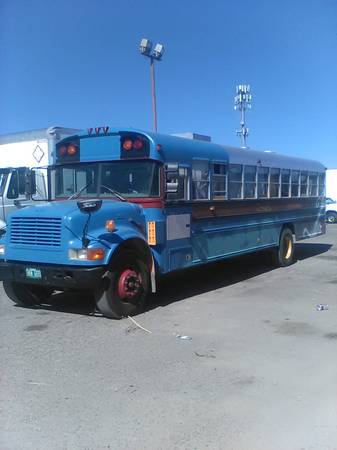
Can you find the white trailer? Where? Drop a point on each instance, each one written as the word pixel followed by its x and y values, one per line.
pixel 18 153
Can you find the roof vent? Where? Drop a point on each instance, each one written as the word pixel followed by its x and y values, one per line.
pixel 194 136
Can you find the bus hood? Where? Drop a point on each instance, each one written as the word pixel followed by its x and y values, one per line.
pixel 44 233
pixel 68 210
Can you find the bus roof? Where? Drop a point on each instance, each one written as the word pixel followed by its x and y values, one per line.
pixel 184 150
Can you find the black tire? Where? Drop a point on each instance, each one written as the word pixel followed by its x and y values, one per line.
pixel 26 294
pixel 128 270
pixel 283 255
pixel 331 217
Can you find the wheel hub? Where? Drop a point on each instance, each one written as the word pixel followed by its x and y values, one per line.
pixel 129 284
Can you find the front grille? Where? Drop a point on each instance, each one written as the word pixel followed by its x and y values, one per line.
pixel 44 231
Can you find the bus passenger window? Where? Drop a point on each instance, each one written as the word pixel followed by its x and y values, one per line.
pixel 295 181
pixel 200 179
pixel 321 184
pixel 312 184
pixel 235 181
pixel 285 182
pixel 304 184
pixel 249 188
pixel 274 182
pixel 262 182
pixel 219 181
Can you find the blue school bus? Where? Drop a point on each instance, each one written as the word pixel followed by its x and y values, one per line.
pixel 126 206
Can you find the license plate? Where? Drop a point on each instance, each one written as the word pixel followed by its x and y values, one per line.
pixel 33 273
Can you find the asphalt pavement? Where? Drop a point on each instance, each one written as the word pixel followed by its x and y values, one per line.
pixel 257 369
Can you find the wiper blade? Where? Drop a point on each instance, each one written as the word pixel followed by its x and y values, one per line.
pixel 77 194
pixel 117 194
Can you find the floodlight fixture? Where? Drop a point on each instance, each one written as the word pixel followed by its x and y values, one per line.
pixel 242 101
pixel 158 51
pixel 145 47
pixel 154 54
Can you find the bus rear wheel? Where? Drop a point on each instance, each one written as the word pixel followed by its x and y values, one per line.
pixel 26 294
pixel 284 254
pixel 125 288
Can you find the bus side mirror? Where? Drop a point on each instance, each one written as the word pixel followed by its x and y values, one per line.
pixel 30 183
pixel 172 178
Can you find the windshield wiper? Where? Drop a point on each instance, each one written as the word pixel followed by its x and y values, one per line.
pixel 77 194
pixel 117 194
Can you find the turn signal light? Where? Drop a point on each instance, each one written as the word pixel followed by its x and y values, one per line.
pixel 110 226
pixel 95 254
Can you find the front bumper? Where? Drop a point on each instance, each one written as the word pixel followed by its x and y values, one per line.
pixel 57 276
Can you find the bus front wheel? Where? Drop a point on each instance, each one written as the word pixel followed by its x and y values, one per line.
pixel 284 253
pixel 26 294
pixel 125 287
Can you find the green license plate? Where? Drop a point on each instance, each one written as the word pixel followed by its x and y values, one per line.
pixel 33 273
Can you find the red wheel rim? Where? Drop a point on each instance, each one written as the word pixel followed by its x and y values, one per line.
pixel 129 284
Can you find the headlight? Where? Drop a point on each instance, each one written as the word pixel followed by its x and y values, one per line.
pixel 2 249
pixel 86 254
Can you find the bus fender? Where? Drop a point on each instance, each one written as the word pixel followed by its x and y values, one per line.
pixel 139 245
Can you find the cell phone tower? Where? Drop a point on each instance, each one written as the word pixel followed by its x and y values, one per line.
pixel 242 101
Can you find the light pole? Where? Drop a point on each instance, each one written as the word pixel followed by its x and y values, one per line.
pixel 242 101
pixel 155 54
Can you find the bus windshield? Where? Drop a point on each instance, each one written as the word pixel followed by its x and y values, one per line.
pixel 127 178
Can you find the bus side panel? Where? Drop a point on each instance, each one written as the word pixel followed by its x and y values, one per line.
pixel 224 237
pixel 310 226
pixel 179 252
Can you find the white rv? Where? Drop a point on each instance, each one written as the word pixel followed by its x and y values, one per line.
pixel 18 153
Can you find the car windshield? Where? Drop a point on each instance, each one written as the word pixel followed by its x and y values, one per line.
pixel 127 178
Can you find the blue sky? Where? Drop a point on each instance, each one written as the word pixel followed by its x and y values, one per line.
pixel 75 63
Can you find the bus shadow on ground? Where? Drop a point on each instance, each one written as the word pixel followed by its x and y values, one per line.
pixel 199 280
pixel 187 283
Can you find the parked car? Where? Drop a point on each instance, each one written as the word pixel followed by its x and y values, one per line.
pixel 331 210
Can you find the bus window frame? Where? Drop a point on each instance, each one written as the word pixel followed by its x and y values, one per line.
pixel 208 181
pixel 245 182
pixel 235 181
pixel 214 176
